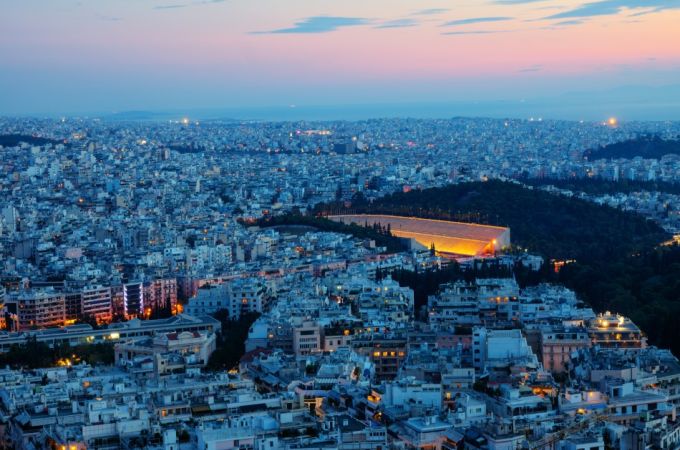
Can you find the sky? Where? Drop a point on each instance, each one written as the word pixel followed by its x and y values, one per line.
pixel 565 58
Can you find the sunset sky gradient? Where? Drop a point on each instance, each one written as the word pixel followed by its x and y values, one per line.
pixel 101 56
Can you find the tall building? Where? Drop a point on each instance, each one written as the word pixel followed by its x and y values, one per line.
pixel 161 294
pixel 247 295
pixel 307 338
pixel 3 311
pixel 118 300
pixel 387 353
pixel 615 331
pixel 133 299
pixel 498 348
pixel 10 217
pixel 557 345
pixel 209 299
pixel 74 306
pixel 96 303
pixel 37 309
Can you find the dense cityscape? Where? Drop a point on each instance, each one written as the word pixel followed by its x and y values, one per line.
pixel 339 225
pixel 169 315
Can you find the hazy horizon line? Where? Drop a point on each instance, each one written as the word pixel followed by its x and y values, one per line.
pixel 625 111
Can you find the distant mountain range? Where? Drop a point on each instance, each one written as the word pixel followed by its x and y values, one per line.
pixel 158 116
pixel 627 103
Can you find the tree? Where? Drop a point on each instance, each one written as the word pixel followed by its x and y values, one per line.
pixel 230 344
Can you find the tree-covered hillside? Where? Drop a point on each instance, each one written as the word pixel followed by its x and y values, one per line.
pixel 554 226
pixel 619 263
pixel 648 147
pixel 601 186
pixel 381 236
pixel 12 140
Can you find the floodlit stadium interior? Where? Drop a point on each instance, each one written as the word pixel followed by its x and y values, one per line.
pixel 449 238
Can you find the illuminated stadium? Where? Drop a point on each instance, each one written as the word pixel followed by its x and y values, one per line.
pixel 449 238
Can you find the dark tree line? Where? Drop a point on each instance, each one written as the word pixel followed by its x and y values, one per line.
pixel 647 146
pixel 646 288
pixel 34 354
pixel 231 341
pixel 12 140
pixel 378 233
pixel 601 186
pixel 553 226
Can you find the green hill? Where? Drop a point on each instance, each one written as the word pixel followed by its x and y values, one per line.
pixel 648 147
pixel 554 226
pixel 601 186
pixel 619 263
pixel 12 140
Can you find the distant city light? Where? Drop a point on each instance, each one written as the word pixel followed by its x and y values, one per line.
pixel 185 121
pixel 612 122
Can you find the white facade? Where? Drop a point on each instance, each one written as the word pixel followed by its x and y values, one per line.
pixel 412 391
pixel 498 348
pixel 209 299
